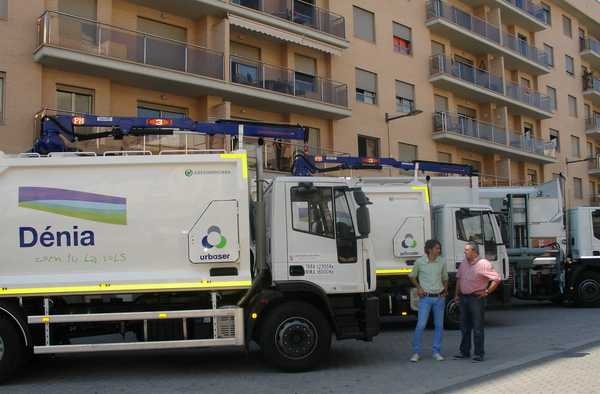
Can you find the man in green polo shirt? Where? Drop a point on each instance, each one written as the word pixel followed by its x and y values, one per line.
pixel 430 277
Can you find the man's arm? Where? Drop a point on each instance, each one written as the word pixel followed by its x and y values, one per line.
pixel 414 279
pixel 494 277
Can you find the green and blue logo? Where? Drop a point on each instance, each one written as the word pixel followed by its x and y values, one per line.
pixel 214 238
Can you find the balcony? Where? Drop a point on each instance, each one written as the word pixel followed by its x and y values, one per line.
pixel 591 89
pixel 592 127
pixel 477 36
pixel 485 137
pixel 283 80
pixel 289 20
pixel 479 85
pixel 594 166
pixel 146 61
pixel 525 13
pixel 595 200
pixel 590 51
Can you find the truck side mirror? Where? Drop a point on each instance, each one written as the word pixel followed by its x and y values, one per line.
pixel 364 221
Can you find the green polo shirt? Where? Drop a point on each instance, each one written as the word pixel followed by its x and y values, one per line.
pixel 430 275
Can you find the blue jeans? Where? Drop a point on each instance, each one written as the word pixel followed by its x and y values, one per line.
pixel 425 305
pixel 471 321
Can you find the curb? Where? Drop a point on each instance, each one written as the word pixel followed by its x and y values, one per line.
pixel 532 359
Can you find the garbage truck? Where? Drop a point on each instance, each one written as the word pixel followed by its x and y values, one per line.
pixel 408 210
pixel 134 251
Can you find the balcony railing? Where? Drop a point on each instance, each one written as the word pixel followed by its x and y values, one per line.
pixel 593 123
pixel 283 80
pixel 439 9
pixel 300 12
pixel 444 122
pixel 594 163
pixel 480 27
pixel 84 35
pixel 522 48
pixel 532 8
pixel 590 44
pixel 440 64
pixel 591 83
pixel 528 96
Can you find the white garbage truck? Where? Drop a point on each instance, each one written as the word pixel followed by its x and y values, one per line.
pixel 407 211
pixel 553 256
pixel 136 251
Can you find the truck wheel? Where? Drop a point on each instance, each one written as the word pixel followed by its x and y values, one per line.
pixel 295 336
pixel 12 351
pixel 452 314
pixel 588 289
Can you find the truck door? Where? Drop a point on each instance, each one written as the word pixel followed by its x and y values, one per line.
pixel 322 239
pixel 478 226
pixel 595 233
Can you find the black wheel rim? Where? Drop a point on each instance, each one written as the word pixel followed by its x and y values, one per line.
pixel 589 290
pixel 296 338
pixel 1 348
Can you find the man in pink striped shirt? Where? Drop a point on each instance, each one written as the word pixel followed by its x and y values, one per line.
pixel 475 280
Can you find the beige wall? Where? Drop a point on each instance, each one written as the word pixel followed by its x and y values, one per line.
pixel 31 86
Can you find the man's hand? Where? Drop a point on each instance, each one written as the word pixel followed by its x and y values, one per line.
pixel 420 291
pixel 482 293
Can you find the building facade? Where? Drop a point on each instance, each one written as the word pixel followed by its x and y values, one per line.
pixel 511 87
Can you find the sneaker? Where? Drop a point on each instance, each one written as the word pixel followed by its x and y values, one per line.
pixel 460 356
pixel 438 357
pixel 415 358
pixel 477 359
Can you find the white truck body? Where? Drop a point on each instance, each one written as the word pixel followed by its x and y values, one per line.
pixel 126 223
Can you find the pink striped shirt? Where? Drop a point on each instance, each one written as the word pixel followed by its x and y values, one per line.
pixel 475 276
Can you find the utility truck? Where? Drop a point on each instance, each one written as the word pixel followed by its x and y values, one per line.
pixel 130 251
pixel 553 256
pixel 407 211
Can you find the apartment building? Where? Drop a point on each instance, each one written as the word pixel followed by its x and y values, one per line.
pixel 511 87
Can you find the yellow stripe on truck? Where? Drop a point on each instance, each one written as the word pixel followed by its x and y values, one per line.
pixel 243 157
pixel 397 271
pixel 425 190
pixel 116 288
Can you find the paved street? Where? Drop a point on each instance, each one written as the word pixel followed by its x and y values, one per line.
pixel 530 348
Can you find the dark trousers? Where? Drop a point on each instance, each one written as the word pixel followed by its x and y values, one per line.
pixel 471 321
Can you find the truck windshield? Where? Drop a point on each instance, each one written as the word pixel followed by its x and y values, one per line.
pixel 477 226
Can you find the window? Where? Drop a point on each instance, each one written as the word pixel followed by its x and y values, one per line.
pixel 572 106
pixel 567 30
pixel 149 110
pixel 245 64
pixel 305 75
pixel 402 39
pixel 596 223
pixel 366 87
pixel 161 29
pixel 587 111
pixel 552 95
pixel 531 177
pixel 344 229
pixel 364 24
pixel 83 8
pixel 577 187
pixel 555 138
pixel 444 157
pixel 368 146
pixel 477 227
pixel 547 14
pixel 473 163
pixel 581 36
pixel 549 51
pixel 405 97
pixel 314 141
pixel 3 9
pixel 2 84
pixel 407 152
pixel 575 150
pixel 312 211
pixel 569 65
pixel 437 48
pixel 74 100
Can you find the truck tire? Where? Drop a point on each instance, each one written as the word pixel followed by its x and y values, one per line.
pixel 295 336
pixel 588 289
pixel 451 315
pixel 12 351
